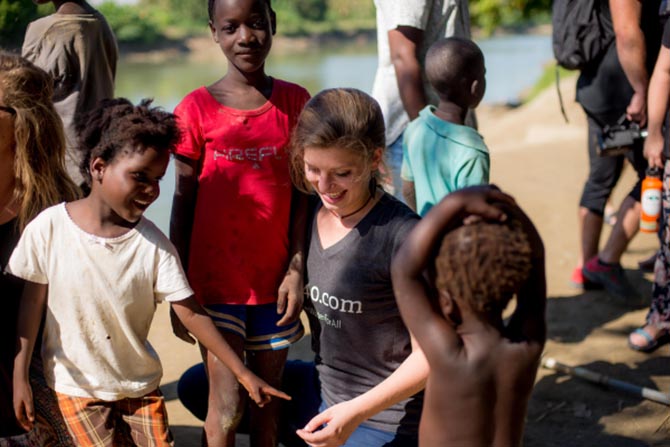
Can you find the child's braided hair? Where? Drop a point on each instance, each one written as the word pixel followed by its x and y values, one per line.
pixel 484 264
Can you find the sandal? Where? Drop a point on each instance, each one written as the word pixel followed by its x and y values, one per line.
pixel 663 337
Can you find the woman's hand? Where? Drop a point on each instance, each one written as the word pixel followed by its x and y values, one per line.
pixel 653 150
pixel 332 427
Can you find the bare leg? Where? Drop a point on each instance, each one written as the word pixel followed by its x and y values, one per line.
pixel 264 422
pixel 591 226
pixel 627 225
pixel 226 397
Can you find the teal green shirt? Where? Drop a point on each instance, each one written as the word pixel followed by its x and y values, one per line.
pixel 441 157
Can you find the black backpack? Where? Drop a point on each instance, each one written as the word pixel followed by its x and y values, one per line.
pixel 582 31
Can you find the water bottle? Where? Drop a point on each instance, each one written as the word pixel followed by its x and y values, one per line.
pixel 651 201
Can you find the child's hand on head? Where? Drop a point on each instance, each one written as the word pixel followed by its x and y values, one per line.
pixel 485 202
pixel 259 391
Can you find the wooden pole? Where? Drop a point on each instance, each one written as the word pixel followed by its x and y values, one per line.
pixel 602 379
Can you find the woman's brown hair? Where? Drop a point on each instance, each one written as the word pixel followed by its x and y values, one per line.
pixel 40 178
pixel 345 118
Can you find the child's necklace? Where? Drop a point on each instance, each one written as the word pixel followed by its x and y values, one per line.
pixel 354 212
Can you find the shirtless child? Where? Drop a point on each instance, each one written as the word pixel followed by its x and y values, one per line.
pixel 453 277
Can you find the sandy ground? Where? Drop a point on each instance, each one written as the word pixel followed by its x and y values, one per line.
pixel 542 161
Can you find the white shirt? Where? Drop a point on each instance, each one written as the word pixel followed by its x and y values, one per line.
pixel 437 19
pixel 101 300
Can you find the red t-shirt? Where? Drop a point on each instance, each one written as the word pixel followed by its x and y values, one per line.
pixel 239 242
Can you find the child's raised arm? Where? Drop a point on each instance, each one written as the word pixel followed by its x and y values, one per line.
pixel 409 265
pixel 201 326
pixel 528 320
pixel 31 309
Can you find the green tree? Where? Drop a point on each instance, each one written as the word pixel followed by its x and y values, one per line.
pixel 130 24
pixel 14 18
pixel 312 9
pixel 490 14
pixel 187 13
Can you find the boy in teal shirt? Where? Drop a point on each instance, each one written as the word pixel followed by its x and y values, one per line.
pixel 440 153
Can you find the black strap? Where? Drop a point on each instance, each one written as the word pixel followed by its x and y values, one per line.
pixel 560 97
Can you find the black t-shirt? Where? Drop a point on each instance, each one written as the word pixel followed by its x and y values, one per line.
pixel 603 89
pixel 10 293
pixel 357 332
pixel 666 34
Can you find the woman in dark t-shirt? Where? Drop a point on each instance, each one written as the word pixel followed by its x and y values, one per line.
pixel 370 375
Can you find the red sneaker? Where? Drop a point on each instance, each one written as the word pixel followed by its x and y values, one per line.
pixel 609 276
pixel 578 281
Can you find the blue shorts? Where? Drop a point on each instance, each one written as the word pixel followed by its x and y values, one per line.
pixel 366 436
pixel 257 325
pixel 394 163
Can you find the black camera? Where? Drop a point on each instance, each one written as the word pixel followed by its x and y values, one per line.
pixel 618 138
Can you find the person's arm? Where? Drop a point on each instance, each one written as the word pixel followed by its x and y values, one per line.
pixel 409 193
pixel 431 330
pixel 657 107
pixel 183 205
pixel 404 43
pixel 31 309
pixel 197 322
pixel 343 418
pixel 290 296
pixel 632 52
pixel 181 222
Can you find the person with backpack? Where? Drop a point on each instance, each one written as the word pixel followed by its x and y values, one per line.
pixel 612 87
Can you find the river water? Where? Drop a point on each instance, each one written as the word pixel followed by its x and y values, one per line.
pixel 513 64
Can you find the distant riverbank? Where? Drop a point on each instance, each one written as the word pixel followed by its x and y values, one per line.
pixel 201 47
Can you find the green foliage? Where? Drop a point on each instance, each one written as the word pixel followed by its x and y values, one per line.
pixel 314 10
pixel 338 15
pixel 150 20
pixel 491 14
pixel 189 14
pixel 14 18
pixel 131 24
pixel 354 10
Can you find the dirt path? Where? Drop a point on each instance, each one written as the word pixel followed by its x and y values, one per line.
pixel 542 161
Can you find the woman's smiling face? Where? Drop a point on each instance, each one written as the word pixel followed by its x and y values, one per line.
pixel 341 177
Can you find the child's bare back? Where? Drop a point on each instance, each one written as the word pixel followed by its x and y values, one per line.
pixel 482 369
pixel 478 394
